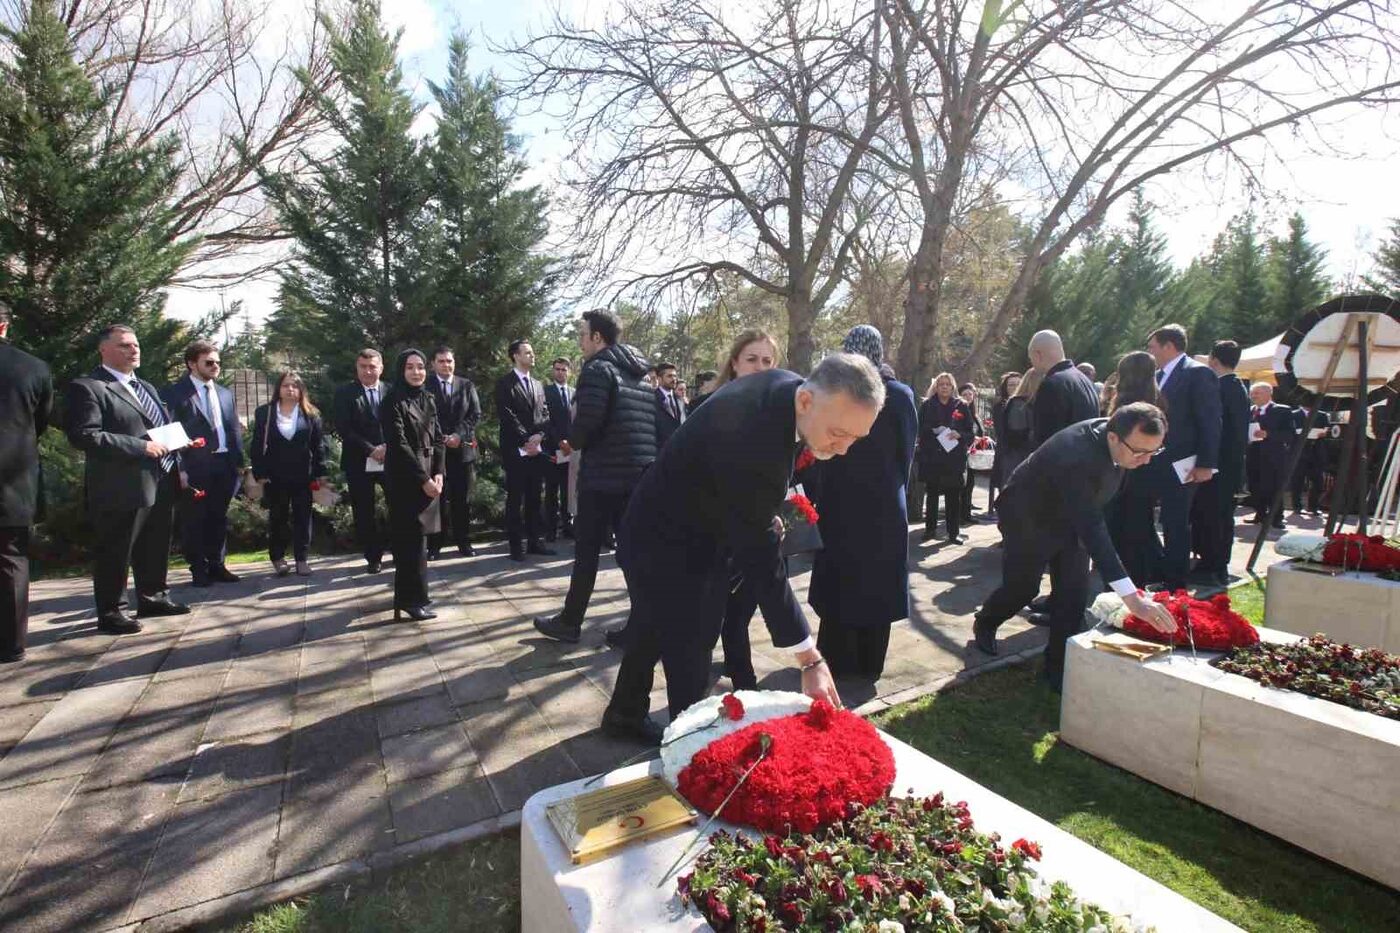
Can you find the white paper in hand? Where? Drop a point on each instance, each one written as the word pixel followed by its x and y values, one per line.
pixel 373 466
pixel 172 436
pixel 1184 466
pixel 946 439
pixel 562 458
pixel 1254 429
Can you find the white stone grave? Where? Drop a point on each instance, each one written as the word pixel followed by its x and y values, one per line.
pixel 620 893
pixel 1358 608
pixel 1320 775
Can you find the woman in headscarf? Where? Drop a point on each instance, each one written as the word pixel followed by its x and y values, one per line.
pixel 860 577
pixel 413 472
pixel 944 469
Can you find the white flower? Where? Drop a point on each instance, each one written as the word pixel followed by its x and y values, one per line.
pixel 1016 918
pixel 890 926
pixel 703 719
pixel 1108 607
pixel 944 901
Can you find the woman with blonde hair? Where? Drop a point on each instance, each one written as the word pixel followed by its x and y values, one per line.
pixel 1020 423
pixel 752 351
pixel 289 458
pixel 944 418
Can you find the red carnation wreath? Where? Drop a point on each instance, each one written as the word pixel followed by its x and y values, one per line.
pixel 1214 625
pixel 817 764
pixel 1361 552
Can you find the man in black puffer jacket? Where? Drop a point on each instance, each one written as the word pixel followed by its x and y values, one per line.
pixel 615 429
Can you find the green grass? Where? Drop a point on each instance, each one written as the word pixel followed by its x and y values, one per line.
pixel 475 887
pixel 1247 599
pixel 48 571
pixel 1000 730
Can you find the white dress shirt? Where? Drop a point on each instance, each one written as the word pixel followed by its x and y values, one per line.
pixel 287 424
pixel 209 404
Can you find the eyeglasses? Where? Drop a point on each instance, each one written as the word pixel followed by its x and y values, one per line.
pixel 212 364
pixel 1141 454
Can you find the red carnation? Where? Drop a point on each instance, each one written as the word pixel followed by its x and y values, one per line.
pixel 869 886
pixel 733 707
pixel 315 485
pixel 1030 850
pixel 804 507
pixel 198 442
pixel 198 493
pixel 957 415
pixel 804 459
pixel 821 714
pixel 791 911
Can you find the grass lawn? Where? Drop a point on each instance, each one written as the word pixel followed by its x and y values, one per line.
pixel 1247 599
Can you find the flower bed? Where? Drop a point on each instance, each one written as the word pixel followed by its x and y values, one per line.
pixel 902 864
pixel 1363 678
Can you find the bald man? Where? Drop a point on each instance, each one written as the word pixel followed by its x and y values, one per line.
pixel 1066 397
pixel 1269 444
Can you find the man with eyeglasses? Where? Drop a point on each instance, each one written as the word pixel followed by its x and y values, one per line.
pixel 206 409
pixel 1051 517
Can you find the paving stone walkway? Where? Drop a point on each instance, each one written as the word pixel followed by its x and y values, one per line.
pixel 289 726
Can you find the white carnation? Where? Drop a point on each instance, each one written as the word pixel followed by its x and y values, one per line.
pixel 1109 608
pixel 890 926
pixel 702 723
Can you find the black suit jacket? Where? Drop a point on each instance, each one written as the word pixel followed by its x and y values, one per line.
pixel 666 421
pixel 26 401
pixel 1055 499
pixel 521 415
pixel 298 460
pixel 713 492
pixel 183 401
pixel 1066 397
pixel 1234 431
pixel 561 420
pixel 1281 429
pixel 1193 419
pixel 357 425
pixel 458 413
pixel 108 425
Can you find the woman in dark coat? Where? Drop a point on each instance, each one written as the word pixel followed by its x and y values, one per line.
pixel 1129 513
pixel 860 578
pixel 289 458
pixel 944 471
pixel 968 393
pixel 1015 440
pixel 1006 387
pixel 413 472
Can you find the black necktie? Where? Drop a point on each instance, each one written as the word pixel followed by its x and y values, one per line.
pixel 1161 377
pixel 373 396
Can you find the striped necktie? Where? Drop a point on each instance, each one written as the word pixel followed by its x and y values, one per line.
pixel 154 415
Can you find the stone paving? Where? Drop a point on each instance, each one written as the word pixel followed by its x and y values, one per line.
pixel 289 730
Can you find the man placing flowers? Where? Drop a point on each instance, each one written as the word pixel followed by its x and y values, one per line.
pixel 712 496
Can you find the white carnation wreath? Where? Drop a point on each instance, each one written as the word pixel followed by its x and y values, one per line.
pixel 706 721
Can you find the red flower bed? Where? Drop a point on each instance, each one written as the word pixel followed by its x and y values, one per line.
pixel 1361 552
pixel 819 763
pixel 1215 625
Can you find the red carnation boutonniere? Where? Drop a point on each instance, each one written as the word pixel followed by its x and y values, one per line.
pixel 315 485
pixel 957 414
pixel 804 459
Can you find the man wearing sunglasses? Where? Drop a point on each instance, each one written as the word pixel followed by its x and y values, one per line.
pixel 1051 517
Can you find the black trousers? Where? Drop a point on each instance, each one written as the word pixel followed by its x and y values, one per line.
pixel 204 522
pixel 368 537
pixel 556 499
pixel 14 589
pixel 739 607
pixel 1023 566
pixel 524 484
pixel 135 540
pixel 675 621
pixel 598 514
pixel 1252 478
pixel 1310 475
pixel 853 650
pixel 968 486
pixel 1130 523
pixel 1175 551
pixel 952 511
pixel 1213 526
pixel 458 483
pixel 288 518
pixel 409 546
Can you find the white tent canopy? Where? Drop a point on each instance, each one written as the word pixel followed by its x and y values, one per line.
pixel 1257 362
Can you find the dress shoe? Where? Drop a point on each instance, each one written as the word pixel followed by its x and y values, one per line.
pixel 517 556
pixel 164 606
pixel 568 532
pixel 201 582
pixel 616 637
pixel 373 566
pixel 1040 604
pixel 1041 619
pixel 556 628
pixel 416 613
pixel 1255 520
pixel 957 539
pixel 13 657
pixel 645 730
pixel 434 555
pixel 466 550
pixel 927 535
pixel 280 567
pixel 222 574
pixel 303 569
pixel 984 637
pixel 609 544
pixel 118 623
pixel 537 547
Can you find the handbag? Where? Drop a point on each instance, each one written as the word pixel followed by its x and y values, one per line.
pixel 252 486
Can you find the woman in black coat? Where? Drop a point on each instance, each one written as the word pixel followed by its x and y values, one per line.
pixel 413 472
pixel 1016 439
pixel 1006 388
pixel 944 471
pixel 289 458
pixel 860 577
pixel 968 393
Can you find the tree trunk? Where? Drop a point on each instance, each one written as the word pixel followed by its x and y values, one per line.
pixel 800 322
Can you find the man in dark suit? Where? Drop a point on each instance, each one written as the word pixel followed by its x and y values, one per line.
pixel 356 413
pixel 132 482
pixel 206 409
pixel 26 400
pixel 1272 430
pixel 458 413
pixel 712 498
pixel 524 422
pixel 1066 396
pixel 616 432
pixel 670 409
pixel 1213 510
pixel 557 399
pixel 1311 466
pixel 1051 516
pixel 1192 393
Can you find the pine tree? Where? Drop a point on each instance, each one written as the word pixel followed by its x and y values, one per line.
pixel 1243 286
pixel 490 282
pixel 1386 277
pixel 86 234
pixel 1143 271
pixel 358 276
pixel 1296 283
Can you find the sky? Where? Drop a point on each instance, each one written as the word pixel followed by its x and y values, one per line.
pixel 1348 199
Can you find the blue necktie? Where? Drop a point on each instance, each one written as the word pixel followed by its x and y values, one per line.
pixel 1161 377
pixel 154 415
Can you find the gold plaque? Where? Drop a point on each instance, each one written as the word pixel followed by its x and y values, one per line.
pixel 592 824
pixel 1128 646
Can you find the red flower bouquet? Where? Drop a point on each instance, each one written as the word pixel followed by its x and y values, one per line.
pixel 800 519
pixel 819 763
pixel 1214 625
pixel 1361 552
